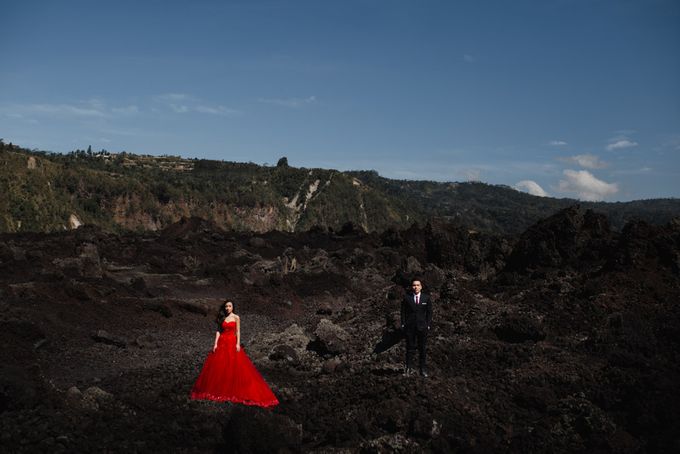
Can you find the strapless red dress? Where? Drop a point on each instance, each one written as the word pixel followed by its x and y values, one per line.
pixel 228 375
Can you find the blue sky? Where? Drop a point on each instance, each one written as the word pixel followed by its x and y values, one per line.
pixel 570 98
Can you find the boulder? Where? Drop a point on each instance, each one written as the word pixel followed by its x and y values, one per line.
pixel 94 398
pixel 285 348
pixel 331 337
pixel 105 338
pixel 293 336
pixel 413 266
pixel 74 397
pixel 331 365
pixel 284 353
pixel 325 308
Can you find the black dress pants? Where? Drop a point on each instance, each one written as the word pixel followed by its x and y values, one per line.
pixel 415 337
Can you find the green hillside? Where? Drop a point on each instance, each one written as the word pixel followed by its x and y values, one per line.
pixel 45 192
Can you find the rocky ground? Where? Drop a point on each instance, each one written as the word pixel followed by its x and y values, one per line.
pixel 564 339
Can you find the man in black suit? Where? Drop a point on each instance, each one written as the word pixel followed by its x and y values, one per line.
pixel 416 321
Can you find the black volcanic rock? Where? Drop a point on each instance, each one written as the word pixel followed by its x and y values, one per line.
pixel 19 388
pixel 162 309
pixel 567 239
pixel 391 238
pixel 330 337
pixel 20 339
pixel 138 284
pixel 21 384
pixel 518 328
pixel 194 308
pixel 643 245
pixel 350 229
pixel 562 354
pixel 251 430
pixel 189 227
pixel 284 353
pixel 105 337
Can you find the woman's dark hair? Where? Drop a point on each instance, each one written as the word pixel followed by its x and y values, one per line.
pixel 222 311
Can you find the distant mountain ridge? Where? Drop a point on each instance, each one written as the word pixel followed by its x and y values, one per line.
pixel 45 192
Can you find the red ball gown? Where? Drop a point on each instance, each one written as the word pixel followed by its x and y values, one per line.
pixel 228 375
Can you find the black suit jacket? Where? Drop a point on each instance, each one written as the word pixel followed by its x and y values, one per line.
pixel 416 316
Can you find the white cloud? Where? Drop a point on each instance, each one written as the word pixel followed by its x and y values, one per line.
pixel 182 103
pixel 127 110
pixel 531 187
pixel 101 110
pixel 586 186
pixel 558 143
pixel 96 103
pixel 289 102
pixel 62 110
pixel 91 109
pixel 587 161
pixel 179 108
pixel 619 143
pixel 174 97
pixel 13 115
pixel 218 110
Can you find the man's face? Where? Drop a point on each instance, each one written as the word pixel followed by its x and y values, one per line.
pixel 416 286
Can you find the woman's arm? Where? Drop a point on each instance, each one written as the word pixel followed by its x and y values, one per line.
pixel 217 336
pixel 238 333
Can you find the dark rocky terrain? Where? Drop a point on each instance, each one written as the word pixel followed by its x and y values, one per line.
pixel 562 339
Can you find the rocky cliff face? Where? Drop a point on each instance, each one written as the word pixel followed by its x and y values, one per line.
pixel 562 339
pixel 130 214
pixel 46 192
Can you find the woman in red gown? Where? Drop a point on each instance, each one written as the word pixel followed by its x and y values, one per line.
pixel 228 374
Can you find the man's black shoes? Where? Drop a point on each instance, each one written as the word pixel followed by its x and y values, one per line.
pixel 408 372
